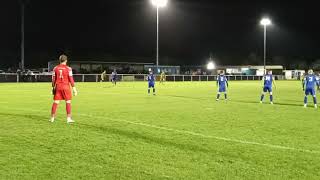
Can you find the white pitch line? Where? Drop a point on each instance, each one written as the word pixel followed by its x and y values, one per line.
pixel 196 134
pixel 210 137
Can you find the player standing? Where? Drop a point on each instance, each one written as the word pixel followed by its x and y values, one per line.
pixel 103 76
pixel 309 83
pixel 151 82
pixel 222 82
pixel 114 77
pixel 62 79
pixel 162 77
pixel 268 81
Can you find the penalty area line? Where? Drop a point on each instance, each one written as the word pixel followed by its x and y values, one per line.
pixel 208 136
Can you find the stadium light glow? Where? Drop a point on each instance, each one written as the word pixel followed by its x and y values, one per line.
pixel 265 22
pixel 159 3
pixel 211 66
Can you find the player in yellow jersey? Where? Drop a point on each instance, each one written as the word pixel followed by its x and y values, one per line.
pixel 103 76
pixel 162 77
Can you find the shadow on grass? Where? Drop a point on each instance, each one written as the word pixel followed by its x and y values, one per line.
pixel 276 103
pixel 147 139
pixel 290 104
pixel 186 97
pixel 108 86
pixel 28 116
pixel 290 100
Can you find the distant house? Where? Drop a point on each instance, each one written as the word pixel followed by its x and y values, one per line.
pixel 293 74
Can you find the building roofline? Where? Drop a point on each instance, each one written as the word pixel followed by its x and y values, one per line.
pixel 103 62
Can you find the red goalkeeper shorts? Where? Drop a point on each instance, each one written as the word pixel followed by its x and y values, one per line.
pixel 63 93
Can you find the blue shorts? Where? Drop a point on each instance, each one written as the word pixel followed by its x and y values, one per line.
pixel 222 89
pixel 151 84
pixel 310 91
pixel 267 89
pixel 114 79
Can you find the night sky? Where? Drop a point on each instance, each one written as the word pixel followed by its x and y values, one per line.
pixel 189 31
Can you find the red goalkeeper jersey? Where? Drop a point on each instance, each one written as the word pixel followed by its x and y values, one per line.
pixel 61 80
pixel 62 76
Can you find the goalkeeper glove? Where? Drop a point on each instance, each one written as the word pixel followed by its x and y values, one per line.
pixel 75 92
pixel 53 91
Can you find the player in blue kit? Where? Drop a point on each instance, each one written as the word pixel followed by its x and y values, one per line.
pixel 151 82
pixel 268 81
pixel 222 82
pixel 114 77
pixel 309 83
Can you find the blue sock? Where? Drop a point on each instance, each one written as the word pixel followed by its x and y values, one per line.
pixel 271 98
pixel 305 100
pixel 315 100
pixel 148 91
pixel 262 96
pixel 218 96
pixel 154 90
pixel 225 96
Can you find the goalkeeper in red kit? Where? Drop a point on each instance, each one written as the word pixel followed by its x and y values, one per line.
pixel 62 87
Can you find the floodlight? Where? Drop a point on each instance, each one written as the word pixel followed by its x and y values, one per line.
pixel 211 66
pixel 265 22
pixel 159 3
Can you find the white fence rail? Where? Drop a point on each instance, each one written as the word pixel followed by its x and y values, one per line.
pixel 128 77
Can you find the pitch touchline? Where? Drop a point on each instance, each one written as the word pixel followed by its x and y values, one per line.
pixel 208 136
pixel 194 134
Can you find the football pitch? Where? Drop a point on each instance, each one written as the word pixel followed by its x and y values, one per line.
pixel 181 133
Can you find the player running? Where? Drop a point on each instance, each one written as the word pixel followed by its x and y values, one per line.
pixel 222 82
pixel 114 77
pixel 62 79
pixel 151 82
pixel 268 81
pixel 162 77
pixel 308 85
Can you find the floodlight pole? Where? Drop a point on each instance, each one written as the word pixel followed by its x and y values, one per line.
pixel 157 37
pixel 159 4
pixel 22 35
pixel 265 49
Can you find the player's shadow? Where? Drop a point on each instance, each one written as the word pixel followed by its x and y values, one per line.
pixel 289 104
pixel 28 116
pixel 186 97
pixel 290 100
pixel 276 103
pixel 145 138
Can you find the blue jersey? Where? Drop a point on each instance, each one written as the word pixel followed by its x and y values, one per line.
pixel 222 81
pixel 114 75
pixel 267 80
pixel 151 78
pixel 310 81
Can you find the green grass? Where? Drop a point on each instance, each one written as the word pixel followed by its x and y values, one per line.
pixel 182 133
